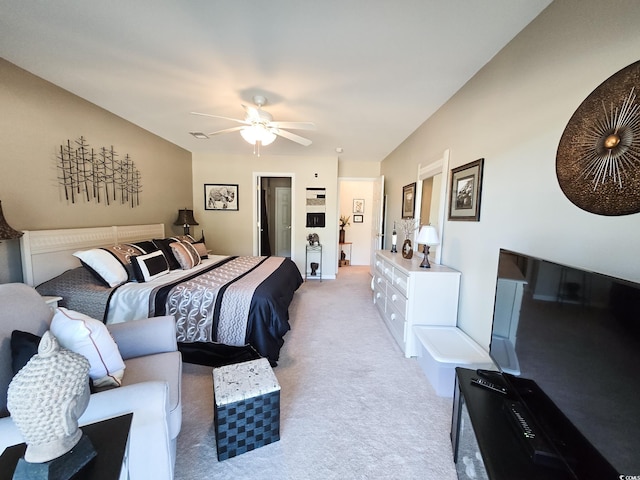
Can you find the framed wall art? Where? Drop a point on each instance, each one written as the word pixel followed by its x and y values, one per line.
pixel 466 190
pixel 358 218
pixel 223 196
pixel 408 200
pixel 358 205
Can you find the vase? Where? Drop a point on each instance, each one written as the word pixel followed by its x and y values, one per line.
pixel 341 235
pixel 407 251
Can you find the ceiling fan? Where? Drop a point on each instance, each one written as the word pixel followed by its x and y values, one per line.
pixel 258 127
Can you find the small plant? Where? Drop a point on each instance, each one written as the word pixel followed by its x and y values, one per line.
pixel 407 226
pixel 344 221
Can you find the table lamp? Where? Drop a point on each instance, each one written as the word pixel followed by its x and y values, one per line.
pixel 185 218
pixel 428 236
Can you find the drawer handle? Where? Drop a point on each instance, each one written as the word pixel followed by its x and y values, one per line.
pixel 393 316
pixel 379 280
pixel 378 295
pixel 394 297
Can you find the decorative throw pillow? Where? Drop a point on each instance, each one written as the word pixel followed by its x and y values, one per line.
pixel 24 345
pixel 146 246
pixel 104 265
pixel 149 266
pixel 123 254
pixel 201 248
pixel 90 338
pixel 164 245
pixel 185 238
pixel 186 254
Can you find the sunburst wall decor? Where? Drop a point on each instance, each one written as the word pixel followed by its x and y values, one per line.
pixel 598 158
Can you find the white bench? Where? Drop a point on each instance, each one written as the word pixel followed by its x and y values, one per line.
pixel 442 349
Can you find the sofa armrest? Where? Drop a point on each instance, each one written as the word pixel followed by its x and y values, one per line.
pixel 150 442
pixel 148 336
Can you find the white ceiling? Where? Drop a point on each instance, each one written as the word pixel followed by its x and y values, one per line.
pixel 366 72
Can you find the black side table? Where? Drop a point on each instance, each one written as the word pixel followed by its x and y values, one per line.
pixel 109 438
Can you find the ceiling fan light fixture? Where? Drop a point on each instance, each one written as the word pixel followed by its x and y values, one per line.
pixel 258 133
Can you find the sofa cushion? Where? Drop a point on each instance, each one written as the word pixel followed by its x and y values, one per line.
pixel 89 337
pixel 24 345
pixel 22 309
pixel 166 367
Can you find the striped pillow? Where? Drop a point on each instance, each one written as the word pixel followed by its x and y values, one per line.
pixel 186 254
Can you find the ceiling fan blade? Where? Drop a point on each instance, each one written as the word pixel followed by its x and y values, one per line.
pixel 226 130
pixel 252 112
pixel 294 125
pixel 293 137
pixel 244 122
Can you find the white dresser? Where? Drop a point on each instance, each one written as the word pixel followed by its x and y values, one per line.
pixel 407 295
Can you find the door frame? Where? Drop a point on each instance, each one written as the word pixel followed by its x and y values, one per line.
pixel 257 181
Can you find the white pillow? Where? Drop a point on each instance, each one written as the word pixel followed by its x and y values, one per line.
pixel 105 265
pixel 90 338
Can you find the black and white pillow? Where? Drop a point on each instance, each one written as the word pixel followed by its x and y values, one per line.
pixel 164 244
pixel 149 266
pixel 123 253
pixel 103 265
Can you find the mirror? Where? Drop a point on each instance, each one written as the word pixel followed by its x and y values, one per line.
pixel 431 195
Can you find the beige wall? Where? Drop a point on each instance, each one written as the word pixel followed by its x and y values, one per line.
pixel 37 117
pixel 513 113
pixel 232 232
pixel 359 234
pixel 359 169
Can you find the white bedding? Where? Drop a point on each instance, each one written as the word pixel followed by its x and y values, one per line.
pixel 130 301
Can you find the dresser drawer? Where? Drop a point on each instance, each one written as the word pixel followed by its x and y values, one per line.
pixel 398 300
pixel 396 323
pixel 387 271
pixel 401 282
pixel 379 296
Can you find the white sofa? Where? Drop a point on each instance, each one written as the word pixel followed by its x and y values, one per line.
pixel 151 386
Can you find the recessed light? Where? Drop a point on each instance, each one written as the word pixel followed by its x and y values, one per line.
pixel 339 150
pixel 200 135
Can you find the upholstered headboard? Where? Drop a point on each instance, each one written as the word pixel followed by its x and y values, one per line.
pixel 48 253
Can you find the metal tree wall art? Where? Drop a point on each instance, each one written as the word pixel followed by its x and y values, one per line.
pixel 87 175
pixel 598 159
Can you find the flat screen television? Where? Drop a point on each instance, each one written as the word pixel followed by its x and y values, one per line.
pixel 568 341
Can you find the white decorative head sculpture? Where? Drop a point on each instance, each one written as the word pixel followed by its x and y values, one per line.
pixel 45 399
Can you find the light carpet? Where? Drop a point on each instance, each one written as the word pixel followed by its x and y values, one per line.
pixel 352 407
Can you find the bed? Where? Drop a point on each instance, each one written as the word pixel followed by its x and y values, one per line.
pixel 216 299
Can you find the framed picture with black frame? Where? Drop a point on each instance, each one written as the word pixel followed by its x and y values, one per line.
pixel 409 200
pixel 358 218
pixel 466 191
pixel 221 196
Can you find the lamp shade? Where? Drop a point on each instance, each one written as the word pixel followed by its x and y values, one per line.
pixel 256 133
pixel 6 232
pixel 428 235
pixel 185 217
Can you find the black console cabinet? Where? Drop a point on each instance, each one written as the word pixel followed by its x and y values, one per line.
pixel 486 444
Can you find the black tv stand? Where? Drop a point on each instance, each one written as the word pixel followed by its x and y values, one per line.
pixel 518 436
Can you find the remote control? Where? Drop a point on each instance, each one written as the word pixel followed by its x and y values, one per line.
pixel 481 382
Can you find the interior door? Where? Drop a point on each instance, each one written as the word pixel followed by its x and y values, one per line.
pixel 282 222
pixel 377 224
pixel 273 215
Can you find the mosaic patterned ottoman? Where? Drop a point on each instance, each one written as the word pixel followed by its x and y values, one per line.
pixel 246 407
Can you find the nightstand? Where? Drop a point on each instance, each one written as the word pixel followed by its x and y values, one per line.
pixel 109 437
